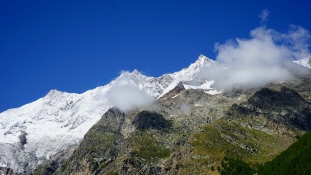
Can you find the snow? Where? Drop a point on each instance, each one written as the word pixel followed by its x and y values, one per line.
pixel 304 62
pixel 175 96
pixel 213 92
pixel 186 74
pixel 205 86
pixel 52 123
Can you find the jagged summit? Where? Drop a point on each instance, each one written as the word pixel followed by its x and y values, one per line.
pixel 136 72
pixel 200 62
pixel 53 92
pixel 203 59
pixel 188 73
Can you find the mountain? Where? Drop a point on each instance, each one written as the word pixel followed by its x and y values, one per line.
pixel 188 131
pixel 34 132
pixel 58 122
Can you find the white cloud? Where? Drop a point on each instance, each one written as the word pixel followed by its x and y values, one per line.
pixel 264 16
pixel 263 58
pixel 128 97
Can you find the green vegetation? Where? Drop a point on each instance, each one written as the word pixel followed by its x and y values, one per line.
pixel 231 139
pixel 295 160
pixel 39 170
pixel 231 166
pixel 147 147
pixel 216 140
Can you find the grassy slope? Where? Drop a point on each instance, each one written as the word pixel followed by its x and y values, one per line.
pixel 221 139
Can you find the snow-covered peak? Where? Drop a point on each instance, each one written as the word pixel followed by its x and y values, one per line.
pixel 53 91
pixel 200 62
pixel 52 94
pixel 134 78
pixel 306 62
pixel 203 60
pixel 187 74
pixel 136 72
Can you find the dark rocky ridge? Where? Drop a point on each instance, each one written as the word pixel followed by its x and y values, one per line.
pixel 285 107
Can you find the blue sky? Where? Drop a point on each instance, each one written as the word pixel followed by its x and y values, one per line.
pixel 75 45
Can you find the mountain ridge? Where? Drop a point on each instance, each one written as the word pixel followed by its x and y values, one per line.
pixel 69 116
pixel 59 120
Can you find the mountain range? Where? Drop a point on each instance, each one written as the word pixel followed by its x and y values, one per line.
pixel 60 121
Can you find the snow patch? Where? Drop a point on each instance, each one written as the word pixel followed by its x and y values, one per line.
pixel 205 86
pixel 304 62
pixel 175 96
pixel 213 92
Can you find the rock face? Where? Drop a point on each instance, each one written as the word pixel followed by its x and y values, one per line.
pixel 285 107
pixel 8 171
pixel 105 149
pixel 188 131
pixel 100 146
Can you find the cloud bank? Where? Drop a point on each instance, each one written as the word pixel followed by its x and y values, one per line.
pixel 263 58
pixel 128 97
